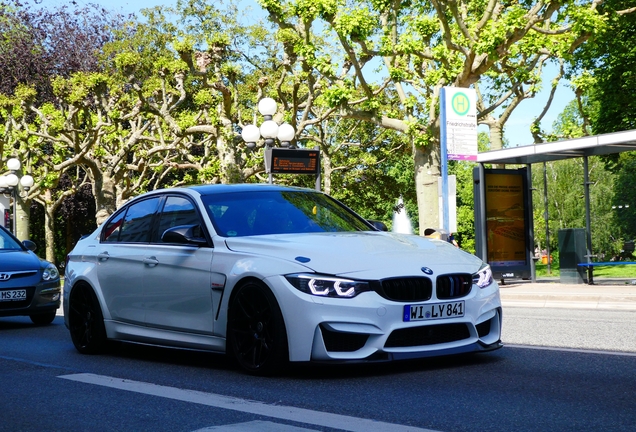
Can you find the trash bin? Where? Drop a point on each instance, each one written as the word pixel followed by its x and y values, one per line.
pixel 572 251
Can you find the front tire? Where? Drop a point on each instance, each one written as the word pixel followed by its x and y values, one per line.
pixel 86 322
pixel 43 319
pixel 256 330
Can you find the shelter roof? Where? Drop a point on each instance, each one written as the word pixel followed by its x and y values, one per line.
pixel 605 144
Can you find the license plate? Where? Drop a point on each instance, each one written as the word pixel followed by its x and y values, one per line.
pixel 425 312
pixel 13 295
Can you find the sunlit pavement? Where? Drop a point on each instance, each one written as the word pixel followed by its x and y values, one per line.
pixel 617 294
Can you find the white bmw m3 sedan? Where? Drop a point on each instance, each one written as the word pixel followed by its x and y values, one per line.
pixel 271 275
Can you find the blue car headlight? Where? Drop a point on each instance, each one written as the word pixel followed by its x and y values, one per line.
pixel 327 286
pixel 50 273
pixel 483 277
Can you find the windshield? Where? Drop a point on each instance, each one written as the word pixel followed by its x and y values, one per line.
pixel 7 242
pixel 279 212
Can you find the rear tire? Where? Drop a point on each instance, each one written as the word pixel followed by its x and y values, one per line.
pixel 86 322
pixel 43 319
pixel 256 330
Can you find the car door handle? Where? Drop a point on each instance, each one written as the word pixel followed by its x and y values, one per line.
pixel 103 256
pixel 150 261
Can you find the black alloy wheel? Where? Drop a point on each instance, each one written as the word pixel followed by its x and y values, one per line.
pixel 86 322
pixel 256 330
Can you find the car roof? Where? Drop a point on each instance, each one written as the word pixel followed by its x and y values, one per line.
pixel 213 189
pixel 243 187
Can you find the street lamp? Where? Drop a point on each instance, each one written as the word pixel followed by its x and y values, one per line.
pixel 9 183
pixel 269 130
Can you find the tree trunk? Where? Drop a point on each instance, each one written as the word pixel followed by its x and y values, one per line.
pixel 326 173
pixel 49 230
pixel 22 217
pixel 496 136
pixel 427 172
pixel 105 198
pixel 230 170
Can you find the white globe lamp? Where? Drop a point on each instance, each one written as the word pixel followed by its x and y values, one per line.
pixel 27 182
pixel 13 164
pixel 267 107
pixel 250 135
pixel 12 180
pixel 286 134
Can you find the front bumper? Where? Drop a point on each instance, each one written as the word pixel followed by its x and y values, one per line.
pixel 42 298
pixel 371 328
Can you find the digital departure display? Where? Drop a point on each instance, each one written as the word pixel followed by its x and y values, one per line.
pixel 294 161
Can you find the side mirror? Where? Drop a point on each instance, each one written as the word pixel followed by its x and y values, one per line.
pixel 184 234
pixel 29 245
pixel 380 226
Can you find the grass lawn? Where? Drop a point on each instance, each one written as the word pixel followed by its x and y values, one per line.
pixel 614 271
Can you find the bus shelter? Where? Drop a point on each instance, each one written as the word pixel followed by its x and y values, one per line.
pixel 585 147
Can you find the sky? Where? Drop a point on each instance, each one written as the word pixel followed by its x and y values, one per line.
pixel 517 131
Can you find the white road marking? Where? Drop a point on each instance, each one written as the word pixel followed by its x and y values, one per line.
pixel 575 350
pixel 255 426
pixel 300 415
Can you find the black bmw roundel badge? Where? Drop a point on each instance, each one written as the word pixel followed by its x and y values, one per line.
pixel 427 270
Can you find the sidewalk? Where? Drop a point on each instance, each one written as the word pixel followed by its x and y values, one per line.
pixel 617 294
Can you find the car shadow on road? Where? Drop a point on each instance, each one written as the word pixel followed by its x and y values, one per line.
pixel 311 371
pixel 307 371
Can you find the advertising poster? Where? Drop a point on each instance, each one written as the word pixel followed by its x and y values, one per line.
pixel 505 219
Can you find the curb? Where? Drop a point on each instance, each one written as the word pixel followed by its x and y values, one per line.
pixel 606 294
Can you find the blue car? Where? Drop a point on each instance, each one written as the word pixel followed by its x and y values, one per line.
pixel 29 286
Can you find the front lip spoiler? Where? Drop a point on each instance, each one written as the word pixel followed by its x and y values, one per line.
pixel 381 357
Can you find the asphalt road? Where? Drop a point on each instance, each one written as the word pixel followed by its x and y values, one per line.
pixel 571 386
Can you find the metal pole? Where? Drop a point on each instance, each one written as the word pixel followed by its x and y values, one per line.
pixel 482 211
pixel 545 215
pixel 15 210
pixel 588 223
pixel 530 246
pixel 444 164
pixel 318 174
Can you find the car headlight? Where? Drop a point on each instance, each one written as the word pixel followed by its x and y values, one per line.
pixel 483 277
pixel 327 286
pixel 50 273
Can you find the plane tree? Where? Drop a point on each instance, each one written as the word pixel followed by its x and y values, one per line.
pixel 190 67
pixel 39 46
pixel 415 48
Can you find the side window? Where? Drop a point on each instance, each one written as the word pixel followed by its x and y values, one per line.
pixel 137 224
pixel 177 211
pixel 110 233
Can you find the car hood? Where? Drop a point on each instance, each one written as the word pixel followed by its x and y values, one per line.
pixel 18 261
pixel 360 254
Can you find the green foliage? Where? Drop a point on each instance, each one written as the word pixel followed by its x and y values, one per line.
pixel 337 95
pixel 55 118
pixel 569 124
pixel 145 127
pixel 608 65
pixel 358 24
pixel 624 218
pixel 566 203
pixel 309 10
